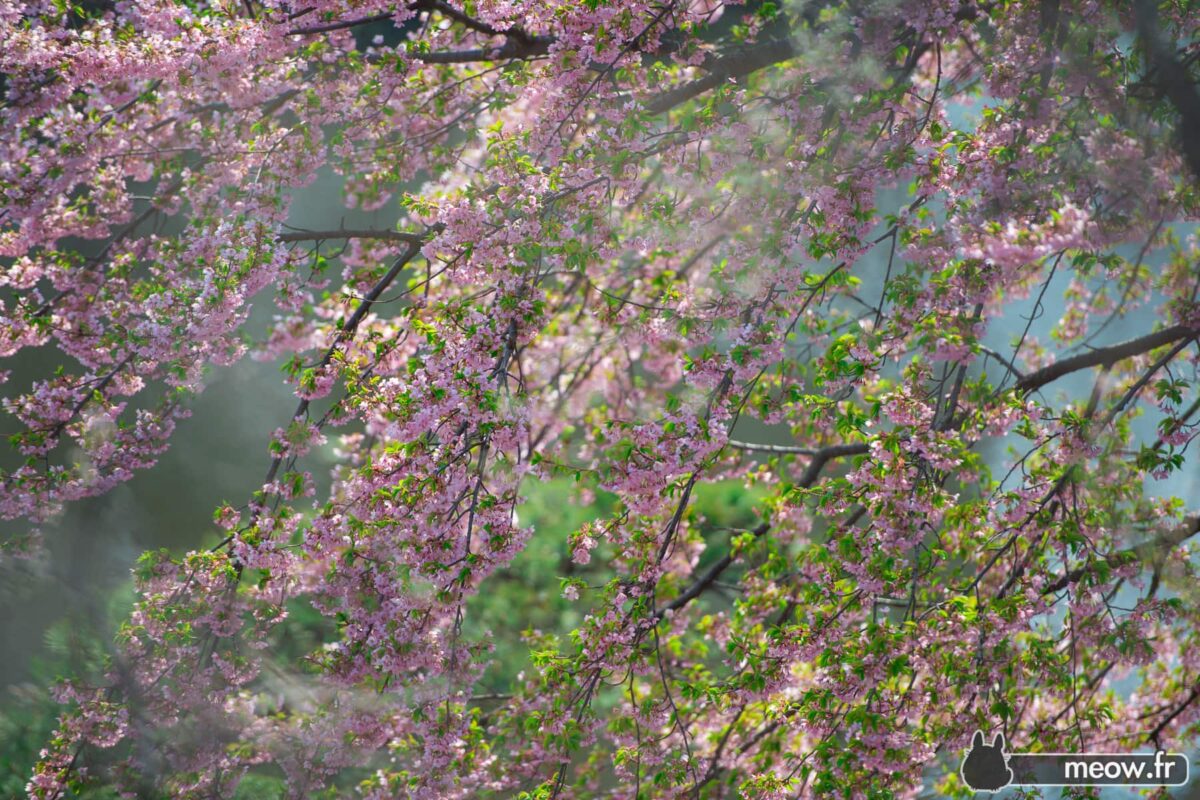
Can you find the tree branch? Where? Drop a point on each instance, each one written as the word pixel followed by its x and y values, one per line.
pixel 1172 79
pixel 850 449
pixel 518 43
pixel 822 457
pixel 1004 362
pixel 1103 357
pixel 704 581
pixel 1146 551
pixel 723 69
pixel 346 332
pixel 811 473
pixel 1179 709
pixel 450 12
pixel 341 24
pixel 514 48
pixel 345 233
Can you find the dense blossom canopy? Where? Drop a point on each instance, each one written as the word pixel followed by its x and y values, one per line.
pixel 625 235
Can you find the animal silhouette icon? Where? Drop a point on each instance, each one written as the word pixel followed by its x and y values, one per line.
pixel 985 769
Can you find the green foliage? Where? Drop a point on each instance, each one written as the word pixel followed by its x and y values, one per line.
pixel 75 647
pixel 528 596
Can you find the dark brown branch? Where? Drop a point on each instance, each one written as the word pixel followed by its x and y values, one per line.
pixel 1179 709
pixel 830 452
pixel 345 233
pixel 704 581
pixel 1172 79
pixel 1167 358
pixel 514 48
pixel 341 25
pixel 811 473
pixel 1103 356
pixel 752 59
pixel 518 43
pixel 822 457
pixel 1151 550
pixel 771 448
pixel 449 11
pixel 1004 362
pixel 347 331
pixel 351 325
pixel 724 69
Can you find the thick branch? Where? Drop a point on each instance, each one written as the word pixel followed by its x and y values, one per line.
pixel 1004 362
pixel 756 57
pixel 704 581
pixel 514 48
pixel 346 332
pixel 819 456
pixel 1103 356
pixel 723 69
pixel 822 457
pixel 1150 550
pixel 340 24
pixel 1172 79
pixel 789 449
pixel 786 449
pixel 344 233
pixel 1169 718
pixel 449 11
pixel 811 473
pixel 518 43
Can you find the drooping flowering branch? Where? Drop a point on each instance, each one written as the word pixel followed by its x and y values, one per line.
pixel 622 233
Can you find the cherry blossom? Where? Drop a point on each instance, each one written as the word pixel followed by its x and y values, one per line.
pixel 624 236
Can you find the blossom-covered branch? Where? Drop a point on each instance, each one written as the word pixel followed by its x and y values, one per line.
pixel 831 255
